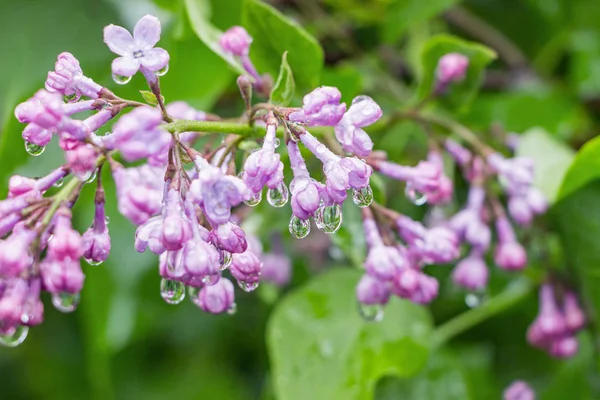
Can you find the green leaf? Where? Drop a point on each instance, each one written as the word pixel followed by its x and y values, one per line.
pixel 459 94
pixel 352 245
pixel 275 34
pixel 552 159
pixel 199 12
pixel 404 14
pixel 584 169
pixel 284 88
pixel 321 349
pixel 150 97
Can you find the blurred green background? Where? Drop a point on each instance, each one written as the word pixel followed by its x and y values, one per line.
pixel 124 342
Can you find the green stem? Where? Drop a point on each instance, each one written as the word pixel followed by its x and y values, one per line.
pixel 513 295
pixel 235 128
pixel 58 199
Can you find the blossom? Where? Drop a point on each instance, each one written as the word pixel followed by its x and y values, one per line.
pixel 68 79
pixel 452 67
pixel 137 51
pixel 217 298
pixel 471 272
pixel 364 111
pixel 264 167
pixel 321 107
pixel 236 41
pixel 96 240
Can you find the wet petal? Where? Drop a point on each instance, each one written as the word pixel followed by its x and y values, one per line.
pixel 125 66
pixel 118 40
pixel 147 32
pixel 155 59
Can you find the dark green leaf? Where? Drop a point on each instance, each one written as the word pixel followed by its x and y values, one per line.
pixel 404 14
pixel 283 91
pixel 320 348
pixel 552 159
pixel 459 94
pixel 585 169
pixel 275 34
pixel 199 12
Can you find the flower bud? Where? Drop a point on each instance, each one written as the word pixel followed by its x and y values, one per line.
pixel 62 276
pixel 246 267
pixel 217 298
pixel 564 347
pixel 471 272
pixel 372 291
pixel 229 237
pixel 321 107
pixel 176 228
pixel 96 240
pixel 82 160
pixel 452 67
pixel 518 390
pixel 67 242
pixel 236 41
pixel 574 315
pixel 277 268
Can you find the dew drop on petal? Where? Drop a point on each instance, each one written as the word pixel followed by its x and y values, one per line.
pixel 172 292
pixel 232 309
pixel 163 71
pixel 224 260
pixel 362 197
pixel 33 149
pixel 59 182
pixel 65 302
pixel 299 228
pixel 278 197
pixel 371 312
pixel 210 280
pixel 120 79
pixel 14 336
pixel 248 286
pixel 192 293
pixel 254 200
pixel 416 197
pixel 107 220
pixel 92 262
pixel 90 177
pixel 277 142
pixel 359 99
pixel 72 98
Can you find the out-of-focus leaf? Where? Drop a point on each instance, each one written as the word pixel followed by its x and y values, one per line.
pixel 150 97
pixel 284 88
pixel 349 237
pixel 199 12
pixel 459 94
pixel 320 348
pixel 275 34
pixel 552 159
pixel 404 14
pixel 584 169
pixel 345 77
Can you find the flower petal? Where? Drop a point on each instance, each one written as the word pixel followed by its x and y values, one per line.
pixel 125 66
pixel 118 40
pixel 155 59
pixel 147 32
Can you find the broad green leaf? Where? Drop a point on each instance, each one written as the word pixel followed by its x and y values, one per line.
pixel 552 159
pixel 459 94
pixel 199 12
pixel 404 14
pixel 284 88
pixel 353 246
pixel 321 349
pixel 584 169
pixel 275 34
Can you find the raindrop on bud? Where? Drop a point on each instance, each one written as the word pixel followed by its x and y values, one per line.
pixel 193 293
pixel 90 177
pixel 232 309
pixel 277 142
pixel 225 260
pixel 14 336
pixel 474 299
pixel 416 197
pixel 299 228
pixel 362 197
pixel 172 292
pixel 34 149
pixel 210 280
pixel 92 262
pixel 371 312
pixel 248 286
pixel 65 302
pixel 59 182
pixel 329 218
pixel 278 197
pixel 162 71
pixel 107 220
pixel 120 79
pixel 72 98
pixel 254 200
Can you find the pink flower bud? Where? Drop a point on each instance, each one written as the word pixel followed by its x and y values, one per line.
pixel 452 67
pixel 217 298
pixel 372 291
pixel 236 41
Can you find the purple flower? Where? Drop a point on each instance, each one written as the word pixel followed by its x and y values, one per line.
pixel 564 347
pixel 66 243
pixel 305 191
pixel 461 155
pixel 82 160
pixel 550 322
pixel 137 52
pixel 216 192
pixel 423 178
pixel 444 192
pixel 229 237
pixel 12 302
pixel 68 79
pixel 435 245
pixel 383 262
pixel 96 240
pixel 33 309
pixel 246 267
pixel 264 167
pixel 138 135
pixel 523 206
pixel 217 298
pixel 277 268
pixel 574 316
pixel 412 284
pixel 452 67
pixel 43 109
pixel 62 276
pixel 321 108
pixel 509 254
pixel 236 41
pixel 516 173
pixel 468 223
pixel 364 111
pixel 176 228
pixel 471 272
pixel 372 291
pixel 147 235
pixel 139 191
pixel 518 390
pixel 199 258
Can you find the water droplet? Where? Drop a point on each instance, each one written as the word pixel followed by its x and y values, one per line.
pixel 173 292
pixel 232 309
pixel 107 220
pixel 210 280
pixel 278 197
pixel 65 302
pixel 320 149
pixel 193 293
pixel 90 177
pixel 34 149
pixel 362 197
pixel 14 336
pixel 371 312
pixel 120 79
pixel 474 299
pixel 299 228
pixel 72 98
pixel 329 218
pixel 361 98
pixel 248 286
pixel 225 260
pixel 255 200
pixel 277 142
pixel 92 262
pixel 59 182
pixel 416 197
pixel 162 71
